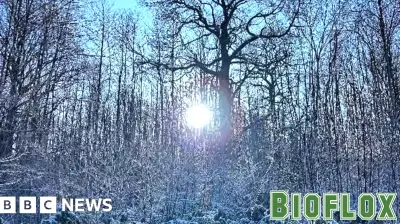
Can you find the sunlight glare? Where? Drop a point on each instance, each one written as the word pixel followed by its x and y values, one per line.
pixel 198 116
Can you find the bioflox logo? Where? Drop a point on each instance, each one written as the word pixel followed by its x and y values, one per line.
pixel 48 205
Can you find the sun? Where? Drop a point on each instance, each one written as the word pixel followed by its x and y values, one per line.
pixel 198 116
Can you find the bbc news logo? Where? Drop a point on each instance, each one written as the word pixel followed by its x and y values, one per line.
pixel 49 205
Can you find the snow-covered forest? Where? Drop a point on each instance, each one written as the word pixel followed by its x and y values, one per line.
pixel 304 96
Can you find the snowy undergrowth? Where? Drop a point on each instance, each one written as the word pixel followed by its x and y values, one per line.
pixel 209 217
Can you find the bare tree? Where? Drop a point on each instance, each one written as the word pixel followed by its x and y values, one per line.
pixel 233 26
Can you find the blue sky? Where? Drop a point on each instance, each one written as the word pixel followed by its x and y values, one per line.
pixel 134 5
pixel 130 4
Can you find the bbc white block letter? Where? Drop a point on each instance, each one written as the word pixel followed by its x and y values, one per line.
pixel 7 205
pixel 27 205
pixel 48 205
